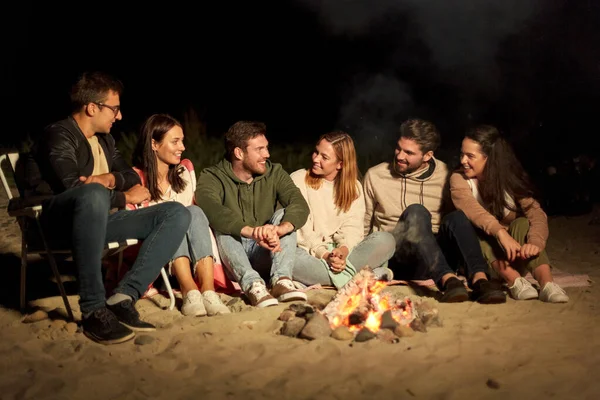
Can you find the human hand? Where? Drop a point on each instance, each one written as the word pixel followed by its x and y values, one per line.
pixel 336 261
pixel 106 180
pixel 137 194
pixel 511 247
pixel 266 237
pixel 529 250
pixel 284 228
pixel 341 252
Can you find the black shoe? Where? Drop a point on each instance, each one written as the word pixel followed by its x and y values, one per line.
pixel 485 292
pixel 129 316
pixel 102 326
pixel 454 291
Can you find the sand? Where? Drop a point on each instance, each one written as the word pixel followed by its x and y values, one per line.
pixel 517 350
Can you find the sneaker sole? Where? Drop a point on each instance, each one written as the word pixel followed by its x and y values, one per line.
pixel 292 296
pixel 492 298
pixel 267 303
pixel 457 297
pixel 200 313
pixel 109 341
pixel 138 329
pixel 532 297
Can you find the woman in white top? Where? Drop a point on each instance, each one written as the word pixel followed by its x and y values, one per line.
pixel 331 245
pixel 157 158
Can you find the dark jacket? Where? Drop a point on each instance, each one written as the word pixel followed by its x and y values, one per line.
pixel 230 203
pixel 63 154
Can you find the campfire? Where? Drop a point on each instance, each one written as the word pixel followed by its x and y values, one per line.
pixel 360 311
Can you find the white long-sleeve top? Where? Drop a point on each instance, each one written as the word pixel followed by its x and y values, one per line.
pixel 326 223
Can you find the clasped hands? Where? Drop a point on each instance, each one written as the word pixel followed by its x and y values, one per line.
pixel 137 194
pixel 336 259
pixel 514 250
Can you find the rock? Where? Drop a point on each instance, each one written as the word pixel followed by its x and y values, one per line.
pixel 404 331
pixel 316 327
pixel 286 315
pixel 342 333
pixel 428 314
pixel 388 321
pixel 301 309
pixel 387 336
pixel 319 299
pixel 363 335
pixel 293 327
pixel 418 325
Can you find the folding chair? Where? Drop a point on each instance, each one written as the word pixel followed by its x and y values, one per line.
pixel 33 240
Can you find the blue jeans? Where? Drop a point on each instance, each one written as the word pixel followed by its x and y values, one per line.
pixel 421 254
pixel 196 243
pixel 79 218
pixel 374 250
pixel 247 262
pixel 460 244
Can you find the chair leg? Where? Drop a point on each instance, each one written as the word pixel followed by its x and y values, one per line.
pixel 57 276
pixel 165 277
pixel 23 270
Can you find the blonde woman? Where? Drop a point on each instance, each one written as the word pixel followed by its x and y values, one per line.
pixel 331 245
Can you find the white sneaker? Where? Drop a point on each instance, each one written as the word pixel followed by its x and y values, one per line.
pixel 213 303
pixel 285 290
pixel 522 290
pixel 259 296
pixel 383 274
pixel 552 293
pixel 193 304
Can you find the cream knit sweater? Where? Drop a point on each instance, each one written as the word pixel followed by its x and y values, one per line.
pixel 326 224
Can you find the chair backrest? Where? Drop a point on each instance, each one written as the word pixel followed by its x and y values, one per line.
pixel 11 159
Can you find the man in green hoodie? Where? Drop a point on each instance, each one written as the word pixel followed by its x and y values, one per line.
pixel 239 195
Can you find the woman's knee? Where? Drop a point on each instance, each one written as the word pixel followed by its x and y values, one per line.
pixel 456 218
pixel 178 214
pixel 197 216
pixel 385 242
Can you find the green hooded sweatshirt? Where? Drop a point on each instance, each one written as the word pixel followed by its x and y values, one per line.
pixel 230 203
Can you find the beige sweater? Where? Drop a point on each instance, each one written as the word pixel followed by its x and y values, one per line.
pixel 326 224
pixel 465 198
pixel 387 194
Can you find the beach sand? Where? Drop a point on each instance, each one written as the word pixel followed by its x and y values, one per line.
pixel 517 350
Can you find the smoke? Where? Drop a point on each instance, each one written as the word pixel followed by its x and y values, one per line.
pixel 374 106
pixel 451 42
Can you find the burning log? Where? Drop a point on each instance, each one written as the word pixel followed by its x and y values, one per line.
pixel 358 310
pixel 358 304
pixel 351 298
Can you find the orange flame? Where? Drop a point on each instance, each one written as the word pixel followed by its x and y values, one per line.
pixel 374 304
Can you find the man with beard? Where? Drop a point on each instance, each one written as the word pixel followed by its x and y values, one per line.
pixel 405 197
pixel 239 195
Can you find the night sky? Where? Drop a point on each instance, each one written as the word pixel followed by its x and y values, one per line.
pixel 306 67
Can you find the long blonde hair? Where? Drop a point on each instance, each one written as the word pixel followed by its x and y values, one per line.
pixel 345 182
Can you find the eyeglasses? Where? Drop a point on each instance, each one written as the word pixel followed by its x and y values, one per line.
pixel 114 109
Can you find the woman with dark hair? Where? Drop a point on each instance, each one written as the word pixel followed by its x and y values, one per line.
pixel 494 191
pixel 331 245
pixel 157 159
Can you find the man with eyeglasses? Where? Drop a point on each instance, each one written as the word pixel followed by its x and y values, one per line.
pixel 90 184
